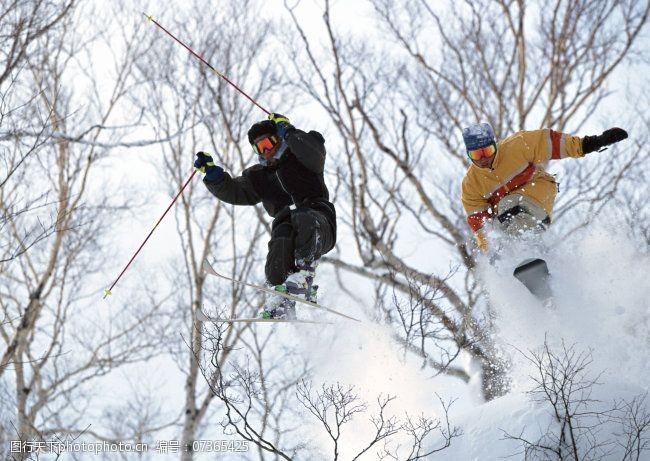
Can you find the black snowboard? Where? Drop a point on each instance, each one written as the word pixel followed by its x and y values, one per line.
pixel 534 274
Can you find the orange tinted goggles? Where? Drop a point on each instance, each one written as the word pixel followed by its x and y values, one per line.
pixel 486 152
pixel 264 144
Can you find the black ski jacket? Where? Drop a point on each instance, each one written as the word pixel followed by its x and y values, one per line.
pixel 296 179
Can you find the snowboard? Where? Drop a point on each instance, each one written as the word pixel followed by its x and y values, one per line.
pixel 534 275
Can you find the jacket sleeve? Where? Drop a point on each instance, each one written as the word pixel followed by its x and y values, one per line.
pixel 476 207
pixel 545 145
pixel 478 211
pixel 237 191
pixel 308 148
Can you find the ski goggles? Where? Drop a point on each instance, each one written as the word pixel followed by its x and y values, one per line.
pixel 483 152
pixel 265 144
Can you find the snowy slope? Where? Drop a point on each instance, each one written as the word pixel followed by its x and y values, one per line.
pixel 601 311
pixel 602 287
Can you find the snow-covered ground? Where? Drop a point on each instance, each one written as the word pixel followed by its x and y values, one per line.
pixel 602 289
pixel 601 285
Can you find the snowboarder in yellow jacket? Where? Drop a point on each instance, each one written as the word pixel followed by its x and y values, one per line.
pixel 507 182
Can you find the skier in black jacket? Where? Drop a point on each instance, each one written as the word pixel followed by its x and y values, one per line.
pixel 289 182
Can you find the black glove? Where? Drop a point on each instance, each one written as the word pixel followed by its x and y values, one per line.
pixel 594 143
pixel 282 125
pixel 205 164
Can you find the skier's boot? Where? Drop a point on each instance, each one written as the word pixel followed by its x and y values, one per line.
pixel 279 307
pixel 301 282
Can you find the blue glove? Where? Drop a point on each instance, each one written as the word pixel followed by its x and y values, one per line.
pixel 282 125
pixel 205 164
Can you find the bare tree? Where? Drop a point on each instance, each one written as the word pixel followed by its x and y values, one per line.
pixel 420 334
pixel 184 96
pixel 54 352
pixel 635 428
pixel 563 381
pixel 23 25
pixel 336 405
pixel 254 390
pixel 248 390
pixel 13 244
pixel 399 110
pixel 419 428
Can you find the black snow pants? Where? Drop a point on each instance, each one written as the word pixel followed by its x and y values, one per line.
pixel 306 233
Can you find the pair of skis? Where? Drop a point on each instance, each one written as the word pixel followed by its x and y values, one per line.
pixel 202 317
pixel 533 274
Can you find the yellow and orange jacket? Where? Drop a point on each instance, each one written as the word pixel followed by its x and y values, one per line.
pixel 517 168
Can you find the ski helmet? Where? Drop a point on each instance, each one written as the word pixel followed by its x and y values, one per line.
pixel 478 136
pixel 260 129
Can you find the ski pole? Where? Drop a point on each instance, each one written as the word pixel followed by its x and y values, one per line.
pixel 150 18
pixel 108 292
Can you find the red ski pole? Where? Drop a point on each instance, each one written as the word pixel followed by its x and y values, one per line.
pixel 150 18
pixel 108 292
